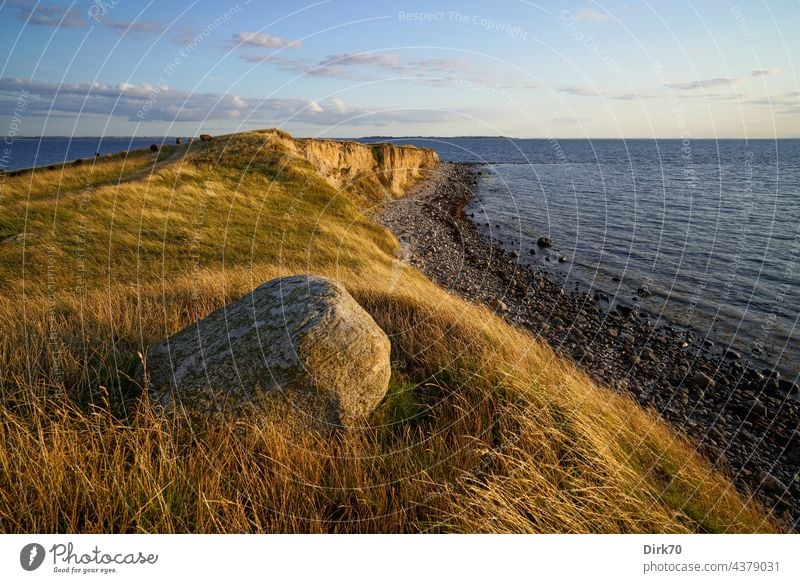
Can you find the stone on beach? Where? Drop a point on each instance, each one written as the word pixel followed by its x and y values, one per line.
pixel 772 484
pixel 701 380
pixel 544 242
pixel 302 339
pixel 499 306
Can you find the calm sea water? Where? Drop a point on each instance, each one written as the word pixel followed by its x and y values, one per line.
pixel 711 228
pixel 29 152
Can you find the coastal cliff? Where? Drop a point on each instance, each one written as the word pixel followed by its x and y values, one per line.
pixel 344 164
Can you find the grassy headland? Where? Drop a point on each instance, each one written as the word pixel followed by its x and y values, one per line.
pixel 484 428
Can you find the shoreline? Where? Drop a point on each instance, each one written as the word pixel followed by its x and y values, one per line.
pixel 739 418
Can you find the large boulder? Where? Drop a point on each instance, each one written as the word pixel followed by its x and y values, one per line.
pixel 301 339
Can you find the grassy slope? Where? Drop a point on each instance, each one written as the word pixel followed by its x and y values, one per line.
pixel 483 430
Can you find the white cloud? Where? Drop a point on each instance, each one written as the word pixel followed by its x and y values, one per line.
pixel 146 102
pixel 138 28
pixel 705 83
pixel 579 90
pixel 55 15
pixel 129 89
pixel 765 72
pixel 383 60
pixel 369 66
pixel 722 81
pixel 338 104
pixel 260 39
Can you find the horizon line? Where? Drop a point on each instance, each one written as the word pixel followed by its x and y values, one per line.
pixel 406 137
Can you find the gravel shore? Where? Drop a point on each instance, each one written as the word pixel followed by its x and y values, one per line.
pixel 744 420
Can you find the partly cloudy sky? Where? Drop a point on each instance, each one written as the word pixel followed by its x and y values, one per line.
pixel 347 69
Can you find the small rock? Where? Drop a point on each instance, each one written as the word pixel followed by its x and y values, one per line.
pixel 563 259
pixel 772 484
pixel 499 306
pixel 754 375
pixel 624 310
pixel 544 242
pixel 731 354
pixel 759 409
pixel 643 292
pixel 178 141
pixel 701 380
pixel 154 148
pixel 793 456
pixel 205 137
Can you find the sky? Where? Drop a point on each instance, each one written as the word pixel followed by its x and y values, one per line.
pixel 336 68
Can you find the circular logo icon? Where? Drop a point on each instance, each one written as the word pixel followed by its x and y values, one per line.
pixel 31 556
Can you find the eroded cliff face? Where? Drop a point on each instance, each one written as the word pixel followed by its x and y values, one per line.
pixel 347 165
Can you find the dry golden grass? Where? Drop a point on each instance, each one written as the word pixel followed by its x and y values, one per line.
pixel 484 429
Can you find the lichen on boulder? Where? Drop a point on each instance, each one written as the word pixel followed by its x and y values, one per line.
pixel 301 339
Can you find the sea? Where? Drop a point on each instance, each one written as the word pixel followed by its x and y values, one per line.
pixel 20 153
pixel 702 234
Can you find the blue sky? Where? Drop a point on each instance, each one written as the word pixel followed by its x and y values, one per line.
pixel 343 68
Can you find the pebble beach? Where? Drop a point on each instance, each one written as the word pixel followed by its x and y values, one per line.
pixel 743 419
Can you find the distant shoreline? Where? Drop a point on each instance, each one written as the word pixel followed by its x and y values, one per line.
pixel 389 138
